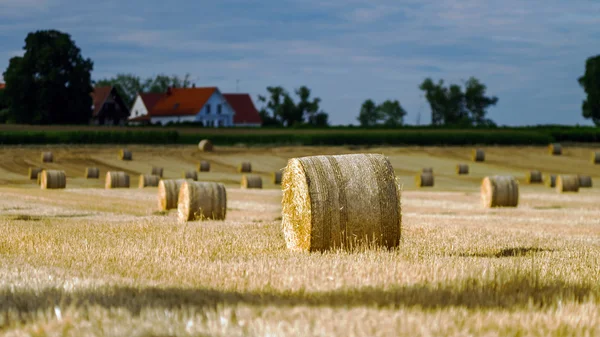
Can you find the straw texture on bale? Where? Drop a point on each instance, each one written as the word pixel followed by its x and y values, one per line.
pixel 555 149
pixel 39 178
pixel 202 201
pixel 34 172
pixel 478 155
pixel 157 171
pixel 277 175
pixel 462 169
pixel 424 180
pixel 92 173
pixel 500 191
pixel 427 170
pixel 148 180
pixel 567 183
pixel 251 181
pixel 340 202
pixel 205 145
pixel 125 155
pixel 585 181
pixel 596 157
pixel 190 174
pixel 534 177
pixel 551 180
pixel 245 167
pixel 116 180
pixel 53 179
pixel 168 193
pixel 204 166
pixel 47 157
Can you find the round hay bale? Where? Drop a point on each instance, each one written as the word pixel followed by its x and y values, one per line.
pixel 245 167
pixel 53 179
pixel 190 174
pixel 551 180
pixel 202 200
pixel 424 180
pixel 340 202
pixel 462 169
pixel 125 154
pixel 251 181
pixel 596 157
pixel 205 145
pixel 277 175
pixel 500 191
pixel 157 171
pixel 148 180
pixel 116 180
pixel 534 177
pixel 204 166
pixel 555 149
pixel 92 173
pixel 47 157
pixel 585 181
pixel 427 170
pixel 39 178
pixel 168 193
pixel 478 155
pixel 567 183
pixel 33 172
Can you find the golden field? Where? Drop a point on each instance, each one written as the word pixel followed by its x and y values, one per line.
pixel 86 261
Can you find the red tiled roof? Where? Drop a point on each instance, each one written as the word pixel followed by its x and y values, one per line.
pixel 2 86
pixel 99 96
pixel 245 111
pixel 182 101
pixel 150 100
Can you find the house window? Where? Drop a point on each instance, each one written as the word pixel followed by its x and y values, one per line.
pixel 208 109
pixel 219 109
pixel 221 122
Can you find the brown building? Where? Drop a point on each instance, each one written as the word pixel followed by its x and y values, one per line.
pixel 108 107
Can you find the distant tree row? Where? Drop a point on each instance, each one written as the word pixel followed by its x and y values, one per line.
pixel 280 109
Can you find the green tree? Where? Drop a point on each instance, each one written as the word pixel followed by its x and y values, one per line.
pixel 369 114
pixel 280 109
pixel 51 83
pixel 392 113
pixel 590 82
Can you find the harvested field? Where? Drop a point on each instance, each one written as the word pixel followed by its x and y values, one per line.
pixel 90 261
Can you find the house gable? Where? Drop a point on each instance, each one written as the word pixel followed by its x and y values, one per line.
pixel 245 111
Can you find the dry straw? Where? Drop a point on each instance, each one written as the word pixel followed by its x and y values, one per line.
pixel 204 166
pixel 424 180
pixel 251 181
pixel 205 145
pixel 551 180
pixel 567 183
pixel 427 170
pixel 190 174
pixel 277 175
pixel 47 157
pixel 125 154
pixel 462 169
pixel 202 201
pixel 148 180
pixel 157 171
pixel 585 181
pixel 500 191
pixel 92 173
pixel 534 177
pixel 116 180
pixel 34 172
pixel 555 149
pixel 168 193
pixel 245 167
pixel 53 179
pixel 478 155
pixel 596 157
pixel 340 202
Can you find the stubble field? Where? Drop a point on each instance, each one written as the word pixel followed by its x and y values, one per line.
pixel 85 261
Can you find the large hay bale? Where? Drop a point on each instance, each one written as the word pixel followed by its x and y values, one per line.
pixel 92 173
pixel 33 172
pixel 251 181
pixel 340 202
pixel 168 193
pixel 148 180
pixel 424 180
pixel 500 191
pixel 202 200
pixel 53 179
pixel 205 145
pixel 427 170
pixel 125 154
pixel 277 175
pixel 462 169
pixel 116 180
pixel 585 181
pixel 567 183
pixel 534 177
pixel 204 166
pixel 190 174
pixel 47 157
pixel 555 149
pixel 596 157
pixel 550 180
pixel 478 155
pixel 157 171
pixel 245 167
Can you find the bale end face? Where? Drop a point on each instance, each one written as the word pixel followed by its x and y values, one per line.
pixel 205 145
pixel 499 191
pixel 424 180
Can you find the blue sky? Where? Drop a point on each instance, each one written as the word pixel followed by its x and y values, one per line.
pixel 528 52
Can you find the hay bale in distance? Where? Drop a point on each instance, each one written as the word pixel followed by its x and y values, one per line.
pixel 47 157
pixel 500 191
pixel 202 200
pixel 555 149
pixel 340 201
pixel 33 172
pixel 277 175
pixel 478 155
pixel 168 193
pixel 550 180
pixel 204 166
pixel 125 154
pixel 157 171
pixel 567 183
pixel 116 180
pixel 148 180
pixel 534 177
pixel 585 181
pixel 92 173
pixel 190 174
pixel 245 167
pixel 596 157
pixel 53 179
pixel 462 169
pixel 205 145
pixel 427 170
pixel 251 181
pixel 424 180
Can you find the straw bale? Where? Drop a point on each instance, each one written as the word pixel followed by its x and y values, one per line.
pixel 550 180
pixel 251 181
pixel 596 157
pixel 567 183
pixel 555 149
pixel 534 177
pixel 277 177
pixel 148 180
pixel 585 181
pixel 168 193
pixel 125 154
pixel 204 166
pixel 478 155
pixel 427 170
pixel 34 172
pixel 47 157
pixel 116 180
pixel 462 169
pixel 53 179
pixel 157 171
pixel 205 145
pixel 190 174
pixel 92 173
pixel 202 201
pixel 245 167
pixel 424 180
pixel 500 191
